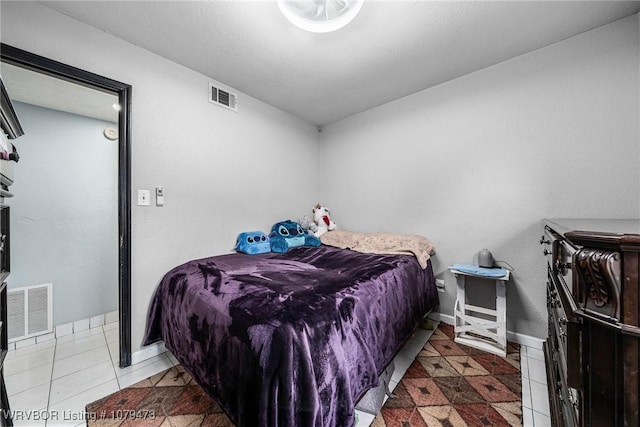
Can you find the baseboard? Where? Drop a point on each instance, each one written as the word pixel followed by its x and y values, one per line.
pixel 444 318
pixel 148 352
pixel 515 337
pixel 68 329
pixel 527 340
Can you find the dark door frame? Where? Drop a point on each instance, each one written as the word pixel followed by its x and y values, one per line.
pixel 28 60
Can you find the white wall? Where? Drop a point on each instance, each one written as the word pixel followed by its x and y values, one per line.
pixel 478 161
pixel 223 172
pixel 64 216
pixel 465 163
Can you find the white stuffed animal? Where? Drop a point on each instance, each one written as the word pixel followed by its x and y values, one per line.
pixel 322 219
pixel 307 225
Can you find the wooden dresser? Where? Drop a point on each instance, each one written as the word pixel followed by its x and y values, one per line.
pixel 593 349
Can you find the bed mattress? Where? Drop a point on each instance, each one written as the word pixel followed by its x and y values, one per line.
pixel 291 339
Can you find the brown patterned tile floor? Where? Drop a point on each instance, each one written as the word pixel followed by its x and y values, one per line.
pixel 448 385
pixel 452 385
pixel 169 398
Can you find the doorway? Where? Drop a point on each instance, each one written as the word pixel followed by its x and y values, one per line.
pixel 19 58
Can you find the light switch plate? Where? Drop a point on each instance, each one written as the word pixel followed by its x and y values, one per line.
pixel 159 195
pixel 144 198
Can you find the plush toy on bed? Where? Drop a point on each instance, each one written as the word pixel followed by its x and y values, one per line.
pixel 288 234
pixel 322 219
pixel 253 242
pixel 308 225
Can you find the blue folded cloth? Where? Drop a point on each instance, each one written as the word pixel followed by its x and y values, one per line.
pixel 476 270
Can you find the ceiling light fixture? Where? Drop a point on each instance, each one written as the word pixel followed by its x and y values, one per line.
pixel 320 16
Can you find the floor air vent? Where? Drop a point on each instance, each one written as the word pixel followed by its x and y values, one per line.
pixel 29 311
pixel 222 97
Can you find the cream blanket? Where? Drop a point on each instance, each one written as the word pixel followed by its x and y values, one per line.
pixel 381 243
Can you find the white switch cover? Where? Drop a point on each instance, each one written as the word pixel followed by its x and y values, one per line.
pixel 144 198
pixel 159 195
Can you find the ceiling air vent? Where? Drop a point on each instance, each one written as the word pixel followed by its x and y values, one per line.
pixel 222 97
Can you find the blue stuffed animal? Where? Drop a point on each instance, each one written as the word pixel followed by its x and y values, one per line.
pixel 288 234
pixel 253 242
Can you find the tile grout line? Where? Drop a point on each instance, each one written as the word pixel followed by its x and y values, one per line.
pixel 79 370
pixel 525 359
pixel 80 392
pixel 104 333
pixel 53 361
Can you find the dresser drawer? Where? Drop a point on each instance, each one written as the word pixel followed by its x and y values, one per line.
pixel 563 354
pixel 567 327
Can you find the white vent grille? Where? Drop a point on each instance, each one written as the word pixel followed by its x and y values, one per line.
pixel 223 97
pixel 29 311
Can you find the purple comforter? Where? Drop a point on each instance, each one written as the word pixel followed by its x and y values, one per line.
pixel 291 339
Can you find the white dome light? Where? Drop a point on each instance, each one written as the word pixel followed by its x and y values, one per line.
pixel 320 16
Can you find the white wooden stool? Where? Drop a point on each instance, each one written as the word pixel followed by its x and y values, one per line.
pixel 487 333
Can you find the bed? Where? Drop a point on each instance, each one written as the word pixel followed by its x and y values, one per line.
pixel 291 339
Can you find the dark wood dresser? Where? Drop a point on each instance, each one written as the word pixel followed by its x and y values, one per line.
pixel 593 349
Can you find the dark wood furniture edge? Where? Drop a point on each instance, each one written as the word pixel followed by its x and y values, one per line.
pixel 602 240
pixel 617 335
pixel 555 411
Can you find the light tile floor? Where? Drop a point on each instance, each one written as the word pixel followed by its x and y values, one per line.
pixel 50 383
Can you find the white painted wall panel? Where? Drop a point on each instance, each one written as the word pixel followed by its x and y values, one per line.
pixel 478 161
pixel 64 216
pixel 223 172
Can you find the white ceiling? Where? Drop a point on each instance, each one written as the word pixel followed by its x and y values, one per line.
pixel 39 89
pixel 390 50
